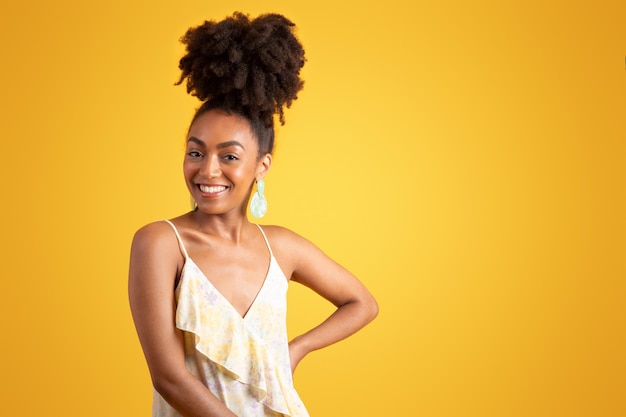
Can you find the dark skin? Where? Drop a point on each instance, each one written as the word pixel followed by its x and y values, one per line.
pixel 221 164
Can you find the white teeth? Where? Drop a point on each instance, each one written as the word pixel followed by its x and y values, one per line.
pixel 212 189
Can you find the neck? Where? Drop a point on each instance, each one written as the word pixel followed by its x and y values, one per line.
pixel 229 226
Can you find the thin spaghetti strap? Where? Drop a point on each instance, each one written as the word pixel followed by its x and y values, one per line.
pixel 180 240
pixel 267 242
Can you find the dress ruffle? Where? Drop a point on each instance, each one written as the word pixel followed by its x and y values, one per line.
pixel 203 311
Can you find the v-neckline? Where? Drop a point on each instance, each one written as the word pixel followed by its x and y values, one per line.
pixel 222 296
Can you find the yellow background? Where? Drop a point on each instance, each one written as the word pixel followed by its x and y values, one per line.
pixel 466 159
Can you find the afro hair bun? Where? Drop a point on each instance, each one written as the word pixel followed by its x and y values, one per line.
pixel 250 66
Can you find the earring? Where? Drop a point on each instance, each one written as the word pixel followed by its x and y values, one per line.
pixel 194 205
pixel 258 205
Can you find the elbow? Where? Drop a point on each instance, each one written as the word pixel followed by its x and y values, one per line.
pixel 365 308
pixel 163 386
pixel 369 308
pixel 167 385
pixel 372 309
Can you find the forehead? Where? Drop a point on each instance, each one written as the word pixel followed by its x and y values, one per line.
pixel 216 126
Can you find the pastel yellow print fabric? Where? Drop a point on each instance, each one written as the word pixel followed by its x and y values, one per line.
pixel 244 361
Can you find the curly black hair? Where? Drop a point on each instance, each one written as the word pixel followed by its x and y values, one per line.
pixel 249 67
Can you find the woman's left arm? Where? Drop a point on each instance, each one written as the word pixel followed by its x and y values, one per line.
pixel 356 306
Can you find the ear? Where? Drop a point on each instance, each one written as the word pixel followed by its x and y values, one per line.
pixel 264 165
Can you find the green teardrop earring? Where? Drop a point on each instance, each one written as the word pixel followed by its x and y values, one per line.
pixel 258 205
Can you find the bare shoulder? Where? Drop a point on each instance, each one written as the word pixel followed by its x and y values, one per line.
pixel 283 239
pixel 290 248
pixel 278 232
pixel 156 242
pixel 155 235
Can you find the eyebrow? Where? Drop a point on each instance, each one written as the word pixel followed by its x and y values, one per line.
pixel 219 145
pixel 229 143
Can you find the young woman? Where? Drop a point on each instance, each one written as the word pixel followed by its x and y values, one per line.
pixel 207 289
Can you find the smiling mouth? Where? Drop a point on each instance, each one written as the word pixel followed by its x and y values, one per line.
pixel 211 189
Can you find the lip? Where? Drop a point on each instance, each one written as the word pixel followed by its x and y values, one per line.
pixel 211 190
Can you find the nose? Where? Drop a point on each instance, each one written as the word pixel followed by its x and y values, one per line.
pixel 212 167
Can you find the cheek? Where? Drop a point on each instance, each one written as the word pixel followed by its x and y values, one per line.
pixel 188 174
pixel 241 173
pixel 188 169
pixel 239 169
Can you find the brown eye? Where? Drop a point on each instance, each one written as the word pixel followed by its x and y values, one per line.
pixel 194 154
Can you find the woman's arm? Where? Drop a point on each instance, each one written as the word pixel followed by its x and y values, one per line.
pixel 155 262
pixel 356 306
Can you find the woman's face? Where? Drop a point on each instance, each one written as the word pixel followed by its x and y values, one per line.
pixel 221 162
